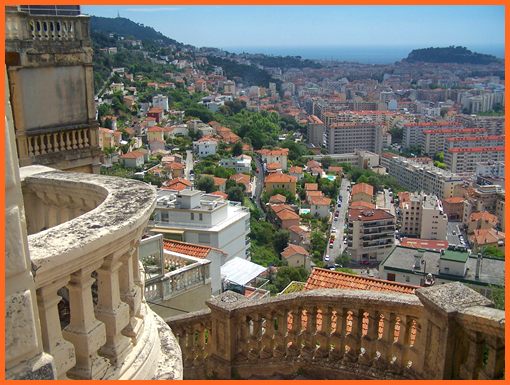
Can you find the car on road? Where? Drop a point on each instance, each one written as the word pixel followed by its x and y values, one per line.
pixel 326 258
pixel 333 229
pixel 331 245
pixel 336 219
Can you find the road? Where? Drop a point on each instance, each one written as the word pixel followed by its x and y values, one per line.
pixel 339 225
pixel 189 164
pixel 259 183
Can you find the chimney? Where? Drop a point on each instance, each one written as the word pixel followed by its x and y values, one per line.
pixel 478 266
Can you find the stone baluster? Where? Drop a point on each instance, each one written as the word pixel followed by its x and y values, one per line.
pixel 256 336
pixel 189 336
pixel 43 145
pixel 131 294
pixel 243 337
pixel 80 134
pixel 417 346
pixel 36 145
pixel 324 335
pixel 86 140
pixel 280 336
pixel 400 344
pixel 267 340
pixel 202 342
pixel 309 335
pixel 338 335
pixel 473 350
pixel 111 311
pixel 85 332
pixel 74 141
pixel 68 141
pixel 49 141
pixel 294 348
pixel 369 341
pixel 52 338
pixel 353 338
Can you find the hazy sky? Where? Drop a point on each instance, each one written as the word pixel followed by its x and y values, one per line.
pixel 256 26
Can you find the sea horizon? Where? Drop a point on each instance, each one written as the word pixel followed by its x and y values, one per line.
pixel 360 54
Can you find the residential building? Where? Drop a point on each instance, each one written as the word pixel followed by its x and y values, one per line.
pixel 297 172
pixel 465 160
pixel 296 256
pixel 278 155
pixel 320 207
pixel 133 159
pixel 315 130
pixel 429 244
pixel 299 235
pixel 411 266
pixel 415 176
pixel 280 181
pixel 219 183
pixel 277 199
pixel 205 146
pixel 362 192
pixel 495 125
pixel 55 124
pixel 241 163
pixel 490 170
pixel 160 101
pixel 243 179
pixel 358 158
pixel 422 216
pixel 432 141
pixel 481 220
pixel 347 137
pixel 195 217
pixel 229 87
pixel 454 208
pixel 370 235
pixel 489 198
pixel 178 184
pixel 490 237
pixel 157 113
pixel 413 135
pixel 285 216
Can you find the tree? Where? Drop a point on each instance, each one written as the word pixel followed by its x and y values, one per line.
pixel 237 149
pixel 235 194
pixel 286 275
pixel 280 240
pixel 206 183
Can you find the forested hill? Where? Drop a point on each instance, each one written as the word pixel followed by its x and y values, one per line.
pixel 450 54
pixel 128 28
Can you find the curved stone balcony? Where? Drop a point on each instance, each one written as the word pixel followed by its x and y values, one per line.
pixel 84 235
pixel 443 332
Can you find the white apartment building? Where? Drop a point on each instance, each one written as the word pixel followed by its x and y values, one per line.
pixel 490 169
pixel 414 176
pixel 278 155
pixel 344 138
pixel 315 131
pixel 432 141
pixel 241 163
pixel 465 160
pixel 229 87
pixel 370 234
pixel 195 217
pixel 160 101
pixel 205 146
pixel 413 132
pixel 423 217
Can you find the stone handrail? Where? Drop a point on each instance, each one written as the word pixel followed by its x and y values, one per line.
pixel 178 281
pixel 67 140
pixel 87 274
pixel 342 334
pixel 22 26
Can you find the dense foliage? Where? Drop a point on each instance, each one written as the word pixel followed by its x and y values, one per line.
pixel 285 62
pixel 248 74
pixel 450 54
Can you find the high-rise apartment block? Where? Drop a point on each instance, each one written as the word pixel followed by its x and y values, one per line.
pixel 344 138
pixel 415 176
pixel 422 216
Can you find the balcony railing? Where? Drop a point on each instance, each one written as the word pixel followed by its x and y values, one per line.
pixel 24 26
pixel 84 252
pixel 442 332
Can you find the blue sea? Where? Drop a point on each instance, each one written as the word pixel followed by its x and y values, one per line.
pixel 360 54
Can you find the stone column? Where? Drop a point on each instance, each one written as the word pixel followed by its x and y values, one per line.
pixel 130 294
pixel 224 333
pixel 86 333
pixel 111 311
pixel 53 341
pixel 24 356
pixel 441 304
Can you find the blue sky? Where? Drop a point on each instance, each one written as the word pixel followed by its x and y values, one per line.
pixel 291 26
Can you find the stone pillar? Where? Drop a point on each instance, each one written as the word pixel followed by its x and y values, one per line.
pixel 24 356
pixel 442 349
pixel 224 333
pixel 130 294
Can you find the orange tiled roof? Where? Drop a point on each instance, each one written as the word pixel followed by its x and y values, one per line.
pixel 286 214
pixel 190 249
pixel 327 279
pixel 296 170
pixel 292 249
pixel 179 180
pixel 132 155
pixel 320 201
pixel 311 186
pixel 280 178
pixel 454 200
pixel 487 236
pixel 297 229
pixel 274 166
pixel 313 163
pixel 363 188
pixel 220 194
pixel 276 151
pixel 484 216
pixel 278 198
pixel 241 178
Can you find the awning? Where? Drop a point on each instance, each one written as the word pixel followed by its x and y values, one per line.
pixel 241 271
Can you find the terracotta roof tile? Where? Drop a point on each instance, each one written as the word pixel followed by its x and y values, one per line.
pixel 292 249
pixel 429 244
pixel 363 188
pixel 368 215
pixel 190 249
pixel 280 178
pixel 327 279
pixel 484 216
pixel 311 186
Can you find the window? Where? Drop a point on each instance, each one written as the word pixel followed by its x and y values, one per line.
pixel 407 278
pixel 192 216
pixel 390 276
pixel 164 216
pixel 200 216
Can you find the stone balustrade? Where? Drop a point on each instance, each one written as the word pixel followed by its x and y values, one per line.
pixel 89 282
pixel 444 332
pixel 22 26
pixel 52 142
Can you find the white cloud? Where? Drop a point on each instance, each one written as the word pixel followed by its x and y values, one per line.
pixel 153 9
